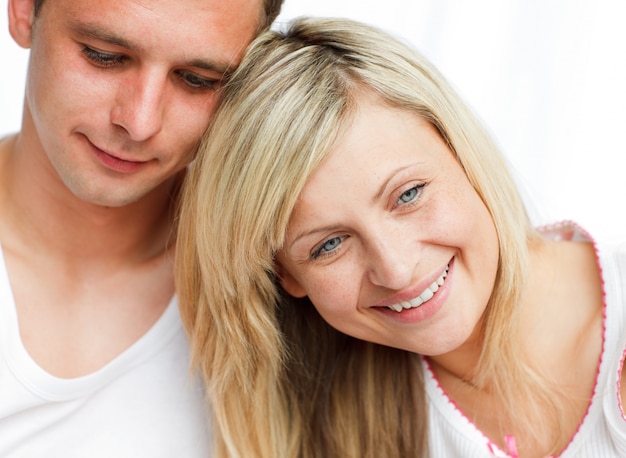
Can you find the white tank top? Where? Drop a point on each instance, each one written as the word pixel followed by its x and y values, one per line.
pixel 602 432
pixel 144 403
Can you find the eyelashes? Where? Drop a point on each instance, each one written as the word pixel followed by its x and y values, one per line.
pixel 102 59
pixel 410 195
pixel 328 246
pixel 191 80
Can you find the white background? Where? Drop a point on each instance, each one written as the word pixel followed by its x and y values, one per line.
pixel 548 78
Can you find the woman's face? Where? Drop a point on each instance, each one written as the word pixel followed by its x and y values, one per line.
pixel 388 238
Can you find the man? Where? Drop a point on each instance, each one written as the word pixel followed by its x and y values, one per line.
pixel 93 358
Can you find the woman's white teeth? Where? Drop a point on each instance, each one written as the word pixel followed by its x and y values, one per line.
pixel 426 295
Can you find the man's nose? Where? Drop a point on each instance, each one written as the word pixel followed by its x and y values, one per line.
pixel 140 106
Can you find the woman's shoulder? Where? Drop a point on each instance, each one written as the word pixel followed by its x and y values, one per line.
pixel 577 267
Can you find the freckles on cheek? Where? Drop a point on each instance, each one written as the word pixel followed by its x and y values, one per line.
pixel 460 211
pixel 332 297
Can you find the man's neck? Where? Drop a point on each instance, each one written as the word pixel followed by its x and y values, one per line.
pixel 88 281
pixel 41 213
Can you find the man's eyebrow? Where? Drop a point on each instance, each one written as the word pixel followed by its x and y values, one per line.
pixel 223 68
pixel 96 32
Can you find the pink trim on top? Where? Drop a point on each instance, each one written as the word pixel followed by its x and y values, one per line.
pixel 571 235
pixel 552 232
pixel 619 384
pixel 494 449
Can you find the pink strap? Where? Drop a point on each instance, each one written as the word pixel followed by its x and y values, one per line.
pixel 510 445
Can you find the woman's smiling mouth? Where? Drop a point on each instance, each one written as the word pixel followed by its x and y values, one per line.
pixel 424 296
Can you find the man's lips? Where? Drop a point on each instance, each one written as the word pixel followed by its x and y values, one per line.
pixel 116 163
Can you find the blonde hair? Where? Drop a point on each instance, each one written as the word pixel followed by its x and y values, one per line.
pixel 282 383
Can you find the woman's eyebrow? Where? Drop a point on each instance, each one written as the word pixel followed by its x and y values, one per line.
pixel 385 184
pixel 315 230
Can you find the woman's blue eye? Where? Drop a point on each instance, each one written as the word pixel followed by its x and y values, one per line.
pixel 331 244
pixel 327 246
pixel 408 195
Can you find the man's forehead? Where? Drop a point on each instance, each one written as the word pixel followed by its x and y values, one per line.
pixel 206 34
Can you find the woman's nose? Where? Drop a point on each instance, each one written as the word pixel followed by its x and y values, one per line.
pixel 391 263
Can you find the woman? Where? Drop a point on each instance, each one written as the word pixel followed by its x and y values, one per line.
pixel 344 182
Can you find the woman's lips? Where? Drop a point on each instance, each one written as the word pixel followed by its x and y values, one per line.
pixel 424 296
pixel 419 311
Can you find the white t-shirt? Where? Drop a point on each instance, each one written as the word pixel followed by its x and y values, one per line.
pixel 602 432
pixel 144 403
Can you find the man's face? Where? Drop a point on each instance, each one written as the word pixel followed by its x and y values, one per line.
pixel 119 92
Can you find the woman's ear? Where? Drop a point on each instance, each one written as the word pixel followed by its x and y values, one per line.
pixel 21 15
pixel 288 282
